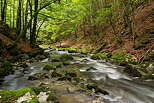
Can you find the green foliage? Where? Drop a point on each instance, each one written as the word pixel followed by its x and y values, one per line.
pixel 66 57
pixel 12 95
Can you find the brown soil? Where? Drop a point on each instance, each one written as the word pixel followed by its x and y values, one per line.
pixel 144 24
pixel 7 37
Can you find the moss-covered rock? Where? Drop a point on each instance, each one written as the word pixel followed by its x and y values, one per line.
pixel 24 65
pixel 123 58
pixel 66 57
pixel 39 76
pixel 36 52
pixel 64 78
pixel 99 90
pixel 52 97
pixel 49 67
pixel 133 70
pixel 70 72
pixel 15 96
pixel 148 77
pixel 91 86
pixel 95 57
pixel 37 90
pixel 66 62
pixel 55 74
pixel 6 68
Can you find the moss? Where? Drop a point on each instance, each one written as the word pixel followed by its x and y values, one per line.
pixel 146 77
pixel 133 70
pixel 13 95
pixel 46 54
pixel 77 79
pixel 2 72
pixel 86 51
pixel 40 57
pixel 100 48
pixel 123 58
pixel 72 50
pixel 95 57
pixel 66 62
pixel 99 90
pixel 36 52
pixel 70 72
pixel 55 74
pixel 91 86
pixel 66 57
pixel 64 78
pixel 37 90
pixel 49 67
pixel 6 68
pixel 151 56
pixel 52 97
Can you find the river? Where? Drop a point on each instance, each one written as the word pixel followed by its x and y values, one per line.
pixel 121 87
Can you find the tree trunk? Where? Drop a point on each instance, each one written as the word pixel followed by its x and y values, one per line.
pixel 33 35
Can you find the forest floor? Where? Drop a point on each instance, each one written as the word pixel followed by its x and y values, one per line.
pixel 143 44
pixel 7 37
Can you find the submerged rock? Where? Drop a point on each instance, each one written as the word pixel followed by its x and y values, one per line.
pixel 91 69
pixel 49 67
pixel 70 72
pixel 91 86
pixel 66 57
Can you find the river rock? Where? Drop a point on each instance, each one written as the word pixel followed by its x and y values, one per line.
pixel 40 57
pixel 91 69
pixel 49 67
pixel 99 90
pixel 39 76
pixel 133 70
pixel 150 69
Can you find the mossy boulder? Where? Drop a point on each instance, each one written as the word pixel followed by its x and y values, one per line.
pixel 95 57
pixel 37 90
pixel 133 70
pixel 39 76
pixel 36 52
pixel 52 97
pixel 46 54
pixel 72 50
pixel 66 62
pixel 55 74
pixel 99 90
pixel 49 67
pixel 64 78
pixel 6 68
pixel 91 86
pixel 70 72
pixel 124 58
pixel 24 65
pixel 14 96
pixel 148 77
pixel 66 57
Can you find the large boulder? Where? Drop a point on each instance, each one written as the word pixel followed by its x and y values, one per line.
pixel 25 95
pixel 66 57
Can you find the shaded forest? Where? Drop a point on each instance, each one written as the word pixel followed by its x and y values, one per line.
pixel 53 32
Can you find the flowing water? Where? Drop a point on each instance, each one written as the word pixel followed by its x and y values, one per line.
pixel 121 88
